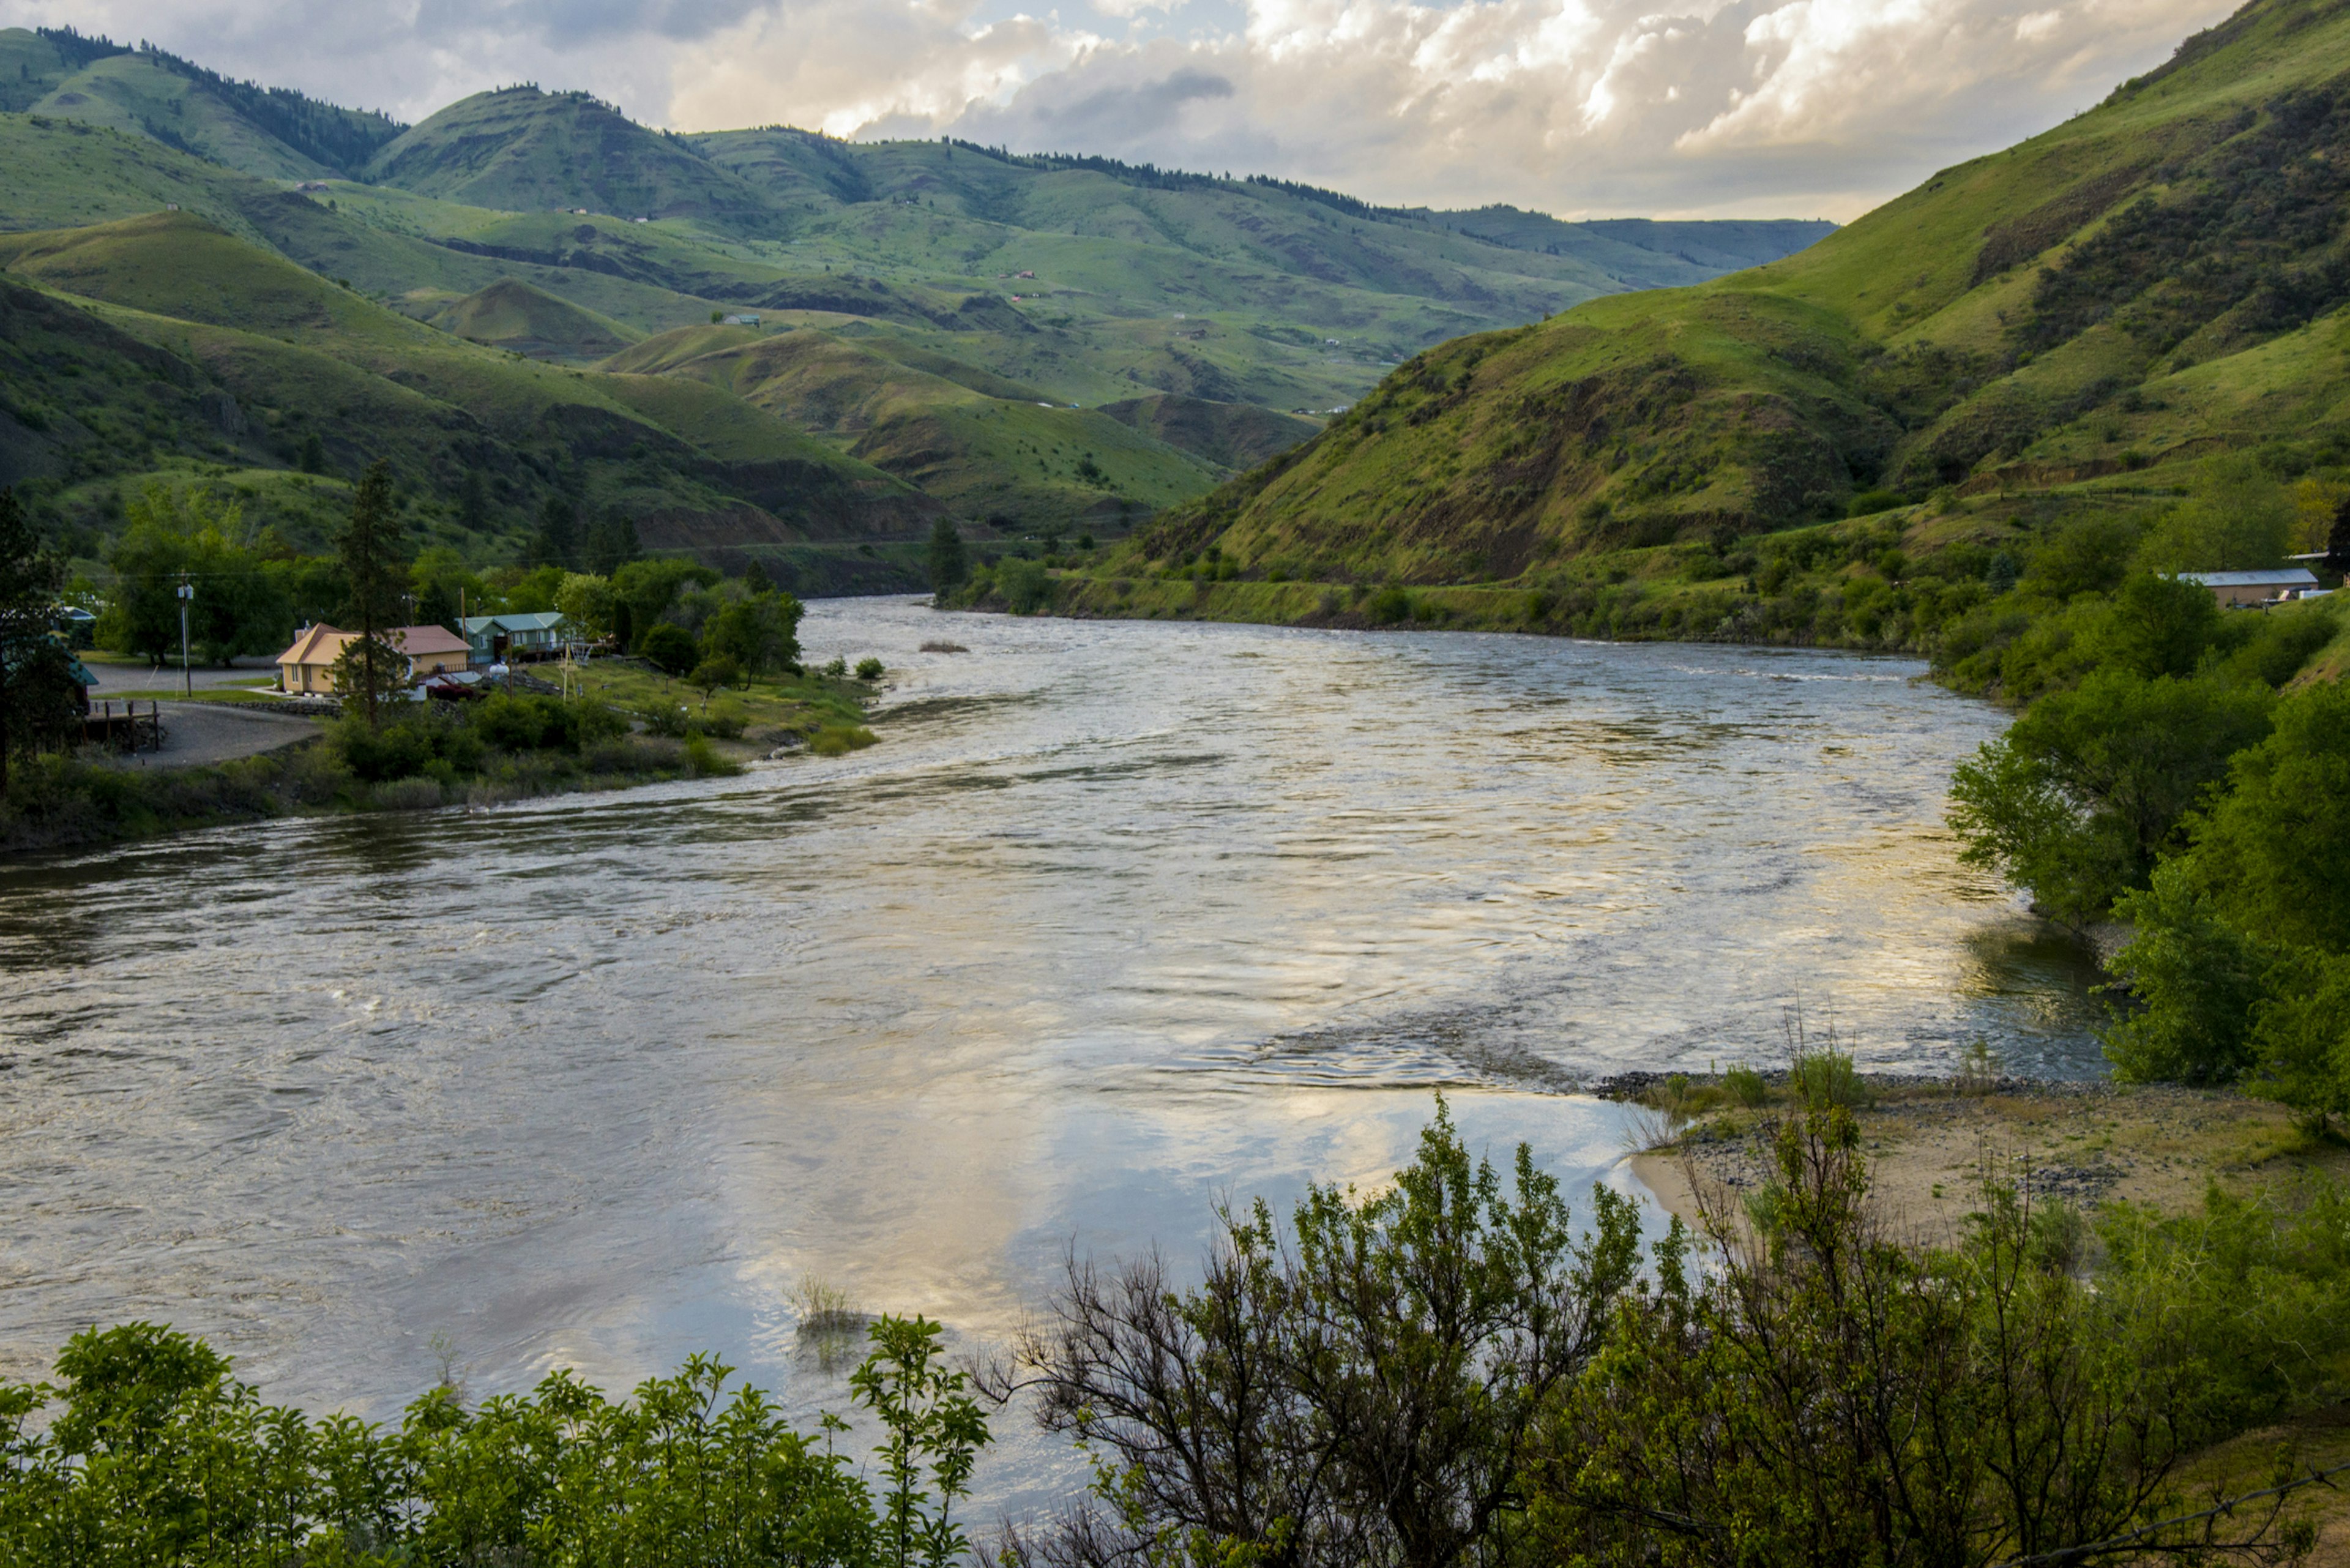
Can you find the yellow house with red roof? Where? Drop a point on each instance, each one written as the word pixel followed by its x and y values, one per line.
pixel 309 665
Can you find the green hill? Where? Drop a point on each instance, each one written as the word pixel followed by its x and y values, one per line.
pixel 269 359
pixel 510 314
pixel 989 449
pixel 266 131
pixel 1030 342
pixel 2046 330
pixel 1230 435
pixel 523 150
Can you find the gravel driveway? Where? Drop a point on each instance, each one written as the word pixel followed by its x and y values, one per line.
pixel 199 732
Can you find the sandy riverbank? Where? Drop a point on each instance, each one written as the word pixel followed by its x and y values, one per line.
pixel 1931 1147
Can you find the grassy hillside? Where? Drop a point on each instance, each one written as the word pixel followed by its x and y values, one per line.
pixel 267 132
pixel 270 359
pixel 988 447
pixel 512 315
pixel 2061 326
pixel 1231 435
pixel 523 148
pixel 1029 342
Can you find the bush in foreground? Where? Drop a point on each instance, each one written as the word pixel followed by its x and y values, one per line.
pixel 156 1455
pixel 1442 1374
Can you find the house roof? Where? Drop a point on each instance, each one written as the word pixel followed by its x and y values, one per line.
pixel 2274 577
pixel 317 645
pixel 322 644
pixel 414 640
pixel 514 620
pixel 534 620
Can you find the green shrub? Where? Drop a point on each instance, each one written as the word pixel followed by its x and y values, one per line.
pixel 837 739
pixel 1823 1391
pixel 418 793
pixel 702 760
pixel 512 721
pixel 1744 1086
pixel 147 1451
pixel 1827 1080
pixel 398 750
pixel 1389 605
pixel 670 649
pixel 1868 502
pixel 1027 586
pixel 870 670
pixel 669 720
pixel 725 720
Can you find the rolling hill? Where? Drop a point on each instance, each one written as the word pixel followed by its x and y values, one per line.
pixel 2057 327
pixel 133 347
pixel 512 315
pixel 266 131
pixel 1021 342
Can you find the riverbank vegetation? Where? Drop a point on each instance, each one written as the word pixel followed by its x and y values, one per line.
pixel 625 724
pixel 2180 769
pixel 1454 1369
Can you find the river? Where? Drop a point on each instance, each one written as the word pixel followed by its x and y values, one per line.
pixel 1121 918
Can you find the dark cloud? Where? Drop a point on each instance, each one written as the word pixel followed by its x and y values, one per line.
pixel 1123 115
pixel 564 25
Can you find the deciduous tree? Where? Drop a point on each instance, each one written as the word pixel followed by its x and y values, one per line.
pixel 33 667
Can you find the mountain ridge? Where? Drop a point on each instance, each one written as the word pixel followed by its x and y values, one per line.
pixel 2153 280
pixel 975 309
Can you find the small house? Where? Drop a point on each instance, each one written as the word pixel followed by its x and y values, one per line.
pixel 2233 589
pixel 308 667
pixel 536 634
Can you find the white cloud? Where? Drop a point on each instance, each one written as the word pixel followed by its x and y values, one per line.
pixel 1798 108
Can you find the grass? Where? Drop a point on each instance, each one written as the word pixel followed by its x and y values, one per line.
pixel 770 712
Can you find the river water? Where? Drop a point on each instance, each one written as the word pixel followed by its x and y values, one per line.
pixel 1119 918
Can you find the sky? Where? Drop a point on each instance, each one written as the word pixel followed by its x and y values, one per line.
pixel 1801 109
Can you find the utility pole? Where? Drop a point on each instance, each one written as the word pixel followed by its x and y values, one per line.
pixel 187 675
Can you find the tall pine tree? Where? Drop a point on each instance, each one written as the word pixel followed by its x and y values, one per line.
pixel 557 543
pixel 949 567
pixel 377 574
